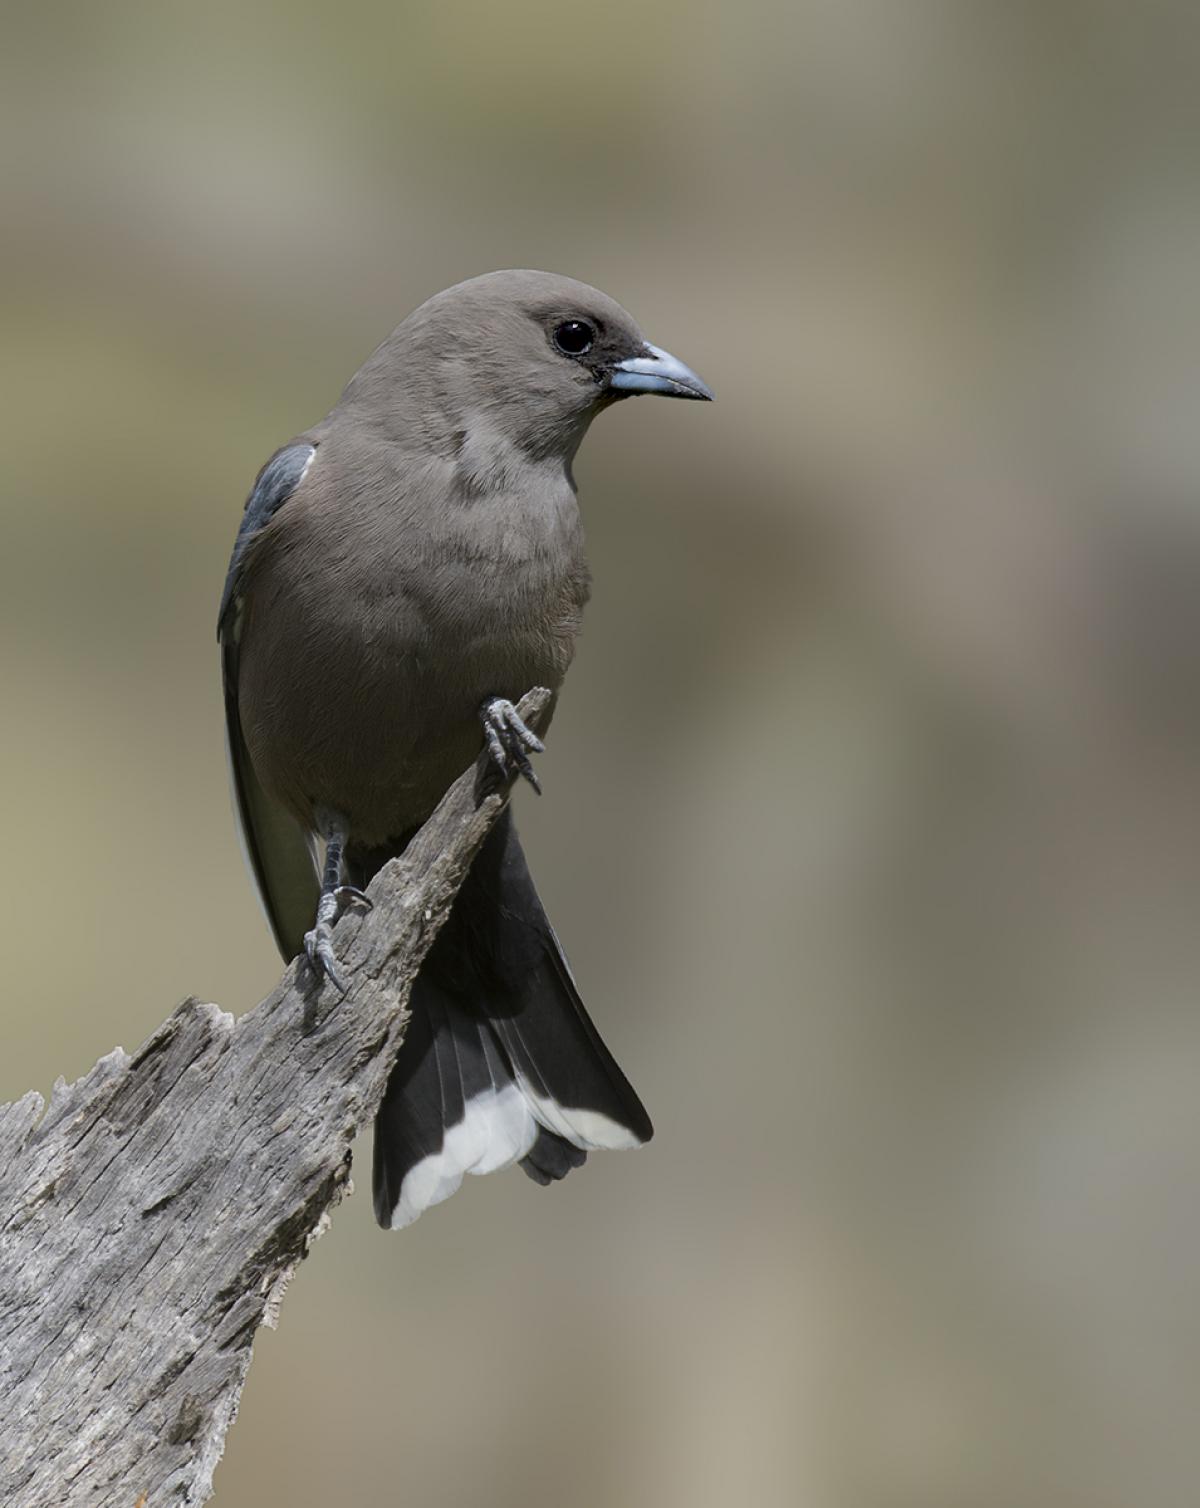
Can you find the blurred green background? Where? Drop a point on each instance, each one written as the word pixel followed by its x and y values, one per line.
pixel 872 804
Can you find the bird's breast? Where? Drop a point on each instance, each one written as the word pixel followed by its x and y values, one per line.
pixel 366 662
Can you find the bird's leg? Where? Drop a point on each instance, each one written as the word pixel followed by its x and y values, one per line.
pixel 318 944
pixel 509 741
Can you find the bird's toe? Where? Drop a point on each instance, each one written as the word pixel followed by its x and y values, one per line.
pixel 318 948
pixel 351 895
pixel 510 740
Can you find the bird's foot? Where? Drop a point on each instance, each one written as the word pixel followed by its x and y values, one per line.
pixel 318 943
pixel 510 741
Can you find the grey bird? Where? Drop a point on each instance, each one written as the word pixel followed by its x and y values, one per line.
pixel 405 570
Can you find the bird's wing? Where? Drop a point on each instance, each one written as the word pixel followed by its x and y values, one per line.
pixel 280 854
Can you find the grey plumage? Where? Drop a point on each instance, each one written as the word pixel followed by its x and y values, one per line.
pixel 414 555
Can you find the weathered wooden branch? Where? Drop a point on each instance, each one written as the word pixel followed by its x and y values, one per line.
pixel 151 1219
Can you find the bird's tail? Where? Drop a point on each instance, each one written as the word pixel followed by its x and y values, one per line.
pixel 501 1062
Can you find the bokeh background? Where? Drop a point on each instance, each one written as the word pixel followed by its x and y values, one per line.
pixel 872 813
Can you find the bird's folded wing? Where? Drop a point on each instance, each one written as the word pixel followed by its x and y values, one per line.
pixel 280 854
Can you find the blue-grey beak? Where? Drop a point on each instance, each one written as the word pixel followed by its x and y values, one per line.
pixel 656 371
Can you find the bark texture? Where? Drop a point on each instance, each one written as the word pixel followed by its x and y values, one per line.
pixel 150 1219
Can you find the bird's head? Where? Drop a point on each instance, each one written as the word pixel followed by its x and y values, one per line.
pixel 529 356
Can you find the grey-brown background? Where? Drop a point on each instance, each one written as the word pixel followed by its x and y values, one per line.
pixel 872 804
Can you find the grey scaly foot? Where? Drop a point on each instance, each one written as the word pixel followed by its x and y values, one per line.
pixel 510 741
pixel 318 944
pixel 335 897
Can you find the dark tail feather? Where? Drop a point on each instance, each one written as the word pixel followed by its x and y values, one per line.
pixel 501 1062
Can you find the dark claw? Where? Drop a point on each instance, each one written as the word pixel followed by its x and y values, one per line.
pixel 351 895
pixel 521 760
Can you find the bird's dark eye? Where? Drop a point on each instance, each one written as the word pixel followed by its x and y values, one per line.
pixel 574 336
